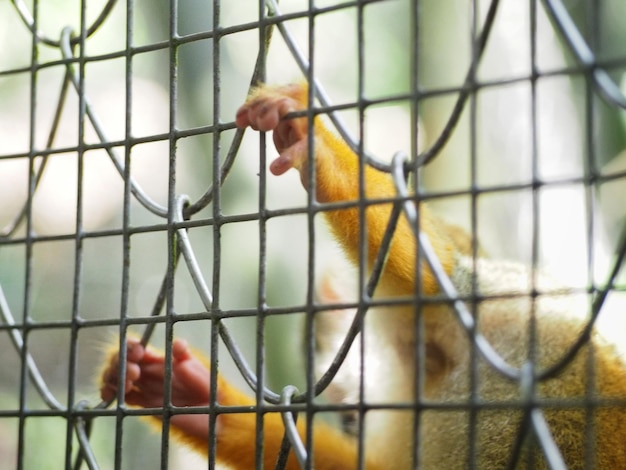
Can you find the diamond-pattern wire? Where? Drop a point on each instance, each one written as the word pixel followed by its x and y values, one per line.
pixel 401 165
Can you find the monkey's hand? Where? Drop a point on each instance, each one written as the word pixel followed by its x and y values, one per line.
pixel 145 372
pixel 266 109
pixel 144 382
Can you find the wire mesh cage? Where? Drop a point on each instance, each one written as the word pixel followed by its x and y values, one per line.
pixel 135 205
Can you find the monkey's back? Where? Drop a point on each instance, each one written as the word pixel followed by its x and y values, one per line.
pixel 584 403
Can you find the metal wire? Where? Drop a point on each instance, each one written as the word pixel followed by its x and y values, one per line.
pixel 605 86
pixel 180 210
pixel 18 344
pixel 29 21
pixel 291 432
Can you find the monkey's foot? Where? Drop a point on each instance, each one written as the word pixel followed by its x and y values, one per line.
pixel 265 110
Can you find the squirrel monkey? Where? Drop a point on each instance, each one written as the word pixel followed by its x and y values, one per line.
pixel 467 410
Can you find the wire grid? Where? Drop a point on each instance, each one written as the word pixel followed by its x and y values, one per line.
pixel 178 216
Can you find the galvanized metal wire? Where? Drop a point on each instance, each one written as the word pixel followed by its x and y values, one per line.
pixel 178 215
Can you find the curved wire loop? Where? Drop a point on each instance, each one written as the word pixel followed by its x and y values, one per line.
pixel 603 83
pixel 29 21
pixel 82 428
pixel 31 366
pixel 207 197
pixel 448 289
pixel 466 90
pixel 140 195
pixel 292 438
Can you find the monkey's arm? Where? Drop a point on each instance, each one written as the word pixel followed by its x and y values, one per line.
pixel 236 432
pixel 337 180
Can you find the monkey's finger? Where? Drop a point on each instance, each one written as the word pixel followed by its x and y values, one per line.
pixel 260 116
pixel 135 351
pixel 180 350
pixel 292 157
pixel 264 113
pixel 108 392
pixel 110 375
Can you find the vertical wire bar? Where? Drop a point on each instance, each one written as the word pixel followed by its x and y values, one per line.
pixel 261 291
pixel 474 385
pixel 128 132
pixel 217 247
pixel 364 298
pixel 260 323
pixel 28 271
pixel 172 245
pixel 78 235
pixel 529 387
pixel 590 172
pixel 542 434
pixel 418 325
pixel 126 255
pixel 535 247
pixel 311 202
